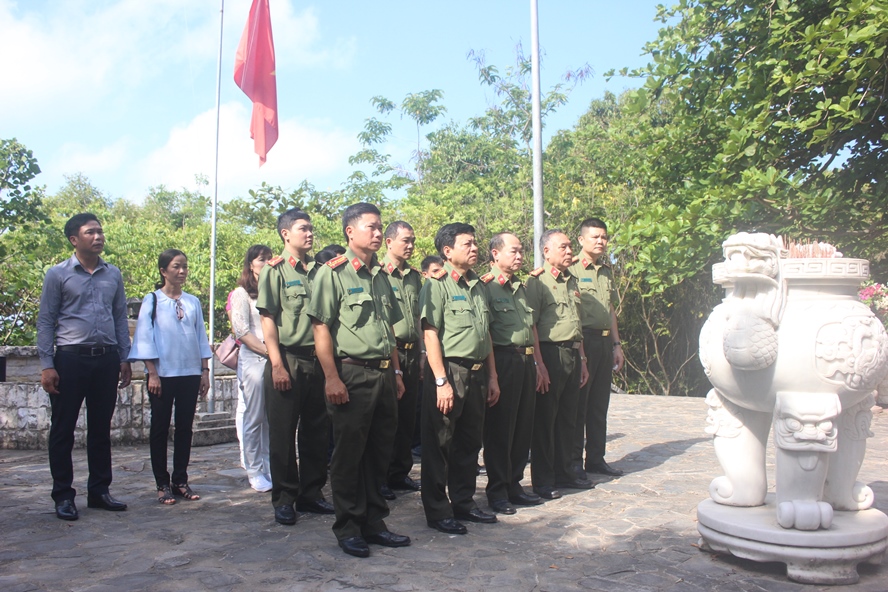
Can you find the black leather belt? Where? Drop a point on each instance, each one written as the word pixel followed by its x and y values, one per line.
pixel 472 365
pixel 566 344
pixel 519 349
pixel 306 351
pixel 597 332
pixel 374 364
pixel 89 351
pixel 406 345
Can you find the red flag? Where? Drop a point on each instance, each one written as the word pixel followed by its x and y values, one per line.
pixel 254 73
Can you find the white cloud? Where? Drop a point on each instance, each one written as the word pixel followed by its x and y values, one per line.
pixel 76 157
pixel 306 149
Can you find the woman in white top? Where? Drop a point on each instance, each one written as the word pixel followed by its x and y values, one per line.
pixel 172 341
pixel 247 328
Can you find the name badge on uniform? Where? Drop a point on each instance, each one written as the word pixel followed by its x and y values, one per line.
pixel 503 300
pixel 586 280
pixel 293 283
pixel 394 288
pixel 357 290
pixel 459 297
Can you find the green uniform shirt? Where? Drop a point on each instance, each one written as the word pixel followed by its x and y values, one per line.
pixel 597 292
pixel 284 291
pixel 511 318
pixel 406 286
pixel 555 300
pixel 456 306
pixel 357 303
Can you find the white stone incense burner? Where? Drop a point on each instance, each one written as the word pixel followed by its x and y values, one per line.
pixel 791 345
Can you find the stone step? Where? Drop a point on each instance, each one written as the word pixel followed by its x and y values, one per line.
pixel 211 436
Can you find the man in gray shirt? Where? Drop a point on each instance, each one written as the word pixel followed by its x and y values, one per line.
pixel 83 314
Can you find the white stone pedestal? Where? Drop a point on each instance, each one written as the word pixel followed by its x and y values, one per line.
pixel 811 557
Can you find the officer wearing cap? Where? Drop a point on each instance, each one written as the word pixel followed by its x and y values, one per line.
pixel 460 381
pixel 406 282
pixel 294 385
pixel 555 299
pixel 353 309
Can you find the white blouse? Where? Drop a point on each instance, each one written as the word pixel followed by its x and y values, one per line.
pixel 244 315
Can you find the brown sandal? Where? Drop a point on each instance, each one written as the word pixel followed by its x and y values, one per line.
pixel 166 495
pixel 184 491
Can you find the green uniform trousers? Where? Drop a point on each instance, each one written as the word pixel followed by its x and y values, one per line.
pixel 555 418
pixel 450 443
pixel 594 399
pixel 363 432
pixel 508 425
pixel 402 455
pixel 302 407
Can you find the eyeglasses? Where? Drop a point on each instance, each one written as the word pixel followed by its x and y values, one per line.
pixel 180 312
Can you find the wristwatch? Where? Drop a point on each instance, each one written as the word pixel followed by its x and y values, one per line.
pixel 399 373
pixel 441 381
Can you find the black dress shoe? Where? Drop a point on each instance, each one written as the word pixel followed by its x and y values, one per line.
pixel 526 499
pixel 448 526
pixel 602 468
pixel 388 539
pixel 549 493
pixel 576 484
pixel 318 506
pixel 105 502
pixel 476 515
pixel 285 515
pixel 502 506
pixel 386 492
pixel 355 546
pixel 405 484
pixel 66 510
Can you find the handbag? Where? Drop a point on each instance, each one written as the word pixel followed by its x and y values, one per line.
pixel 227 352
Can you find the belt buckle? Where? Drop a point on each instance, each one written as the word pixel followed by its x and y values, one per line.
pixel 96 351
pixel 476 367
pixel 605 332
pixel 528 351
pixel 384 364
pixel 408 346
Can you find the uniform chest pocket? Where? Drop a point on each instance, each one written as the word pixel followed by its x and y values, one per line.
pixel 461 316
pixel 503 306
pixel 296 291
pixel 358 309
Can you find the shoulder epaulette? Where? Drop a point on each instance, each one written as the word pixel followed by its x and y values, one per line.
pixel 536 272
pixel 439 275
pixel 487 277
pixel 336 261
pixel 276 261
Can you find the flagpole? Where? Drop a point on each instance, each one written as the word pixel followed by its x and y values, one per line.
pixel 211 394
pixel 537 135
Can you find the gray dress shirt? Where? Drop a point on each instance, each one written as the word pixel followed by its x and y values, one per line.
pixel 79 308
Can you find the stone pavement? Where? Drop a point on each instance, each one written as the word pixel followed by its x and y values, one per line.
pixel 637 532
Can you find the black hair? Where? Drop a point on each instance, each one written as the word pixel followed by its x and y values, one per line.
pixel 163 261
pixel 354 212
pixel 429 261
pixel 497 242
pixel 73 226
pixel 592 223
pixel 288 218
pixel 246 280
pixel 329 252
pixel 544 238
pixel 391 231
pixel 446 236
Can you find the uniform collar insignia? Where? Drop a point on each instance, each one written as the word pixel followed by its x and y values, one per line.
pixel 585 262
pixel 292 261
pixel 555 272
pixel 455 276
pixel 356 263
pixel 390 268
pixel 502 280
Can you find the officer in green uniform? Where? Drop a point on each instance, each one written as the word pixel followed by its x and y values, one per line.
pixel 460 380
pixel 294 385
pixel 353 309
pixel 553 295
pixel 601 340
pixel 508 425
pixel 406 282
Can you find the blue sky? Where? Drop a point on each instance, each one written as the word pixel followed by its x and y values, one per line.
pixel 123 91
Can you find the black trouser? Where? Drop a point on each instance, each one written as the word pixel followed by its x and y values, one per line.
pixel 402 455
pixel 508 425
pixel 302 407
pixel 555 417
pixel 450 443
pixel 363 431
pixel 181 391
pixel 95 380
pixel 594 399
